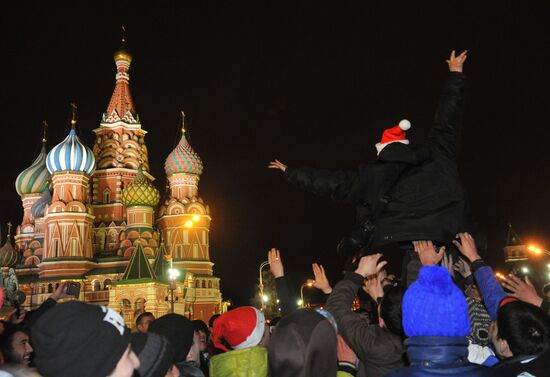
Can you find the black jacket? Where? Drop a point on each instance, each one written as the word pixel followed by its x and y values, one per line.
pixel 427 201
pixel 377 348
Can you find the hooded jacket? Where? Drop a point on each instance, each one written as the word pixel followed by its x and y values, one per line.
pixel 426 199
pixel 248 362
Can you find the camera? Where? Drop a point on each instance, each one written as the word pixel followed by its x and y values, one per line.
pixel 73 288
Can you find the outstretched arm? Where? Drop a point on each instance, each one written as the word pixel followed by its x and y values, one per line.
pixel 341 186
pixel 445 133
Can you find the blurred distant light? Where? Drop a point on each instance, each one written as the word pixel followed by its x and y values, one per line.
pixel 196 218
pixel 525 270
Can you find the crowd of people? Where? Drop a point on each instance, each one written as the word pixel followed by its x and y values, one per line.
pixel 455 319
pixel 448 314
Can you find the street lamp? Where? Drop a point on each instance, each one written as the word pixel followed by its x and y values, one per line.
pixel 536 250
pixel 308 283
pixel 264 263
pixel 172 276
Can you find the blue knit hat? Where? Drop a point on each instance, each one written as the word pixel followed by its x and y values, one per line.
pixel 434 306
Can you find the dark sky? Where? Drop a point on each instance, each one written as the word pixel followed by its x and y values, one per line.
pixel 310 83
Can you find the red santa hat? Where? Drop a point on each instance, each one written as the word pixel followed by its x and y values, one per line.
pixel 241 328
pixel 395 134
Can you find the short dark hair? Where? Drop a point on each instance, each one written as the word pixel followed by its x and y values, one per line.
pixel 212 319
pixel 525 327
pixel 144 314
pixel 390 310
pixel 6 340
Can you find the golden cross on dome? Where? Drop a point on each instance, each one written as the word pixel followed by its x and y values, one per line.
pixel 123 35
pixel 182 121
pixel 73 120
pixel 9 229
pixel 44 127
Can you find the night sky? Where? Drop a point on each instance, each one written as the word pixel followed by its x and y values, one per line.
pixel 311 83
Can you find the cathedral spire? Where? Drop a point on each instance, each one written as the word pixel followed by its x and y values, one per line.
pixel 44 128
pixel 121 105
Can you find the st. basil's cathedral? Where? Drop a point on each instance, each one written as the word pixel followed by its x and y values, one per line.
pixel 94 217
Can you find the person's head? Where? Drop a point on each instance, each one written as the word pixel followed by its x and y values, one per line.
pixel 15 345
pixel 211 322
pixel 156 355
pixel 179 331
pixel 204 334
pixel 434 306
pixel 521 329
pixel 472 291
pixel 390 315
pixel 194 353
pixel 77 339
pixel 240 328
pixel 143 321
pixel 304 344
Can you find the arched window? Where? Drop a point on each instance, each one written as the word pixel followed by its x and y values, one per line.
pixel 209 283
pixel 106 196
pixel 107 284
pixel 197 283
pixel 204 283
pixel 97 286
pixel 50 288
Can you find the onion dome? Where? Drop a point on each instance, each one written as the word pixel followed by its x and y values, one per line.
pixel 35 178
pixel 140 192
pixel 183 158
pixel 71 154
pixel 38 209
pixel 8 255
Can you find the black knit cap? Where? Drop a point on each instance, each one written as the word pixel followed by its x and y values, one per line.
pixel 179 331
pixel 77 339
pixel 155 354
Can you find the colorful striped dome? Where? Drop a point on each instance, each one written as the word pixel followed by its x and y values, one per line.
pixel 183 159
pixel 140 192
pixel 35 178
pixel 38 209
pixel 8 255
pixel 71 155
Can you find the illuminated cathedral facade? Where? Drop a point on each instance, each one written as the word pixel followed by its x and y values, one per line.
pixel 92 215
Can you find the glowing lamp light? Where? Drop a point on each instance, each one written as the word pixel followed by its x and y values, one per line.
pixel 525 270
pixel 265 298
pixel 300 302
pixel 173 273
pixel 196 218
pixel 188 224
pixel 534 249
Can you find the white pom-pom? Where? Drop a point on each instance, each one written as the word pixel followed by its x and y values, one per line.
pixel 404 124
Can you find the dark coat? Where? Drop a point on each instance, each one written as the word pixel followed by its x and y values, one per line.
pixel 440 356
pixel 427 201
pixel 538 365
pixel 378 349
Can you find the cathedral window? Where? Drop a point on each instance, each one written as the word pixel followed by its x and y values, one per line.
pixel 197 283
pixel 107 284
pixel 106 196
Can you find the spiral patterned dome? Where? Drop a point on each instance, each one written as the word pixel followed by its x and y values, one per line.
pixel 35 178
pixel 8 255
pixel 38 209
pixel 183 159
pixel 71 155
pixel 140 192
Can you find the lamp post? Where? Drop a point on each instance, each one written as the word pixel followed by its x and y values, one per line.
pixel 172 276
pixel 264 263
pixel 308 283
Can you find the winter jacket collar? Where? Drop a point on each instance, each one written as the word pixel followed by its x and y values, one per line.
pixel 437 351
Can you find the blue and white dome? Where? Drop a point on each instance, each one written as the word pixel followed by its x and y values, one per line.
pixel 71 155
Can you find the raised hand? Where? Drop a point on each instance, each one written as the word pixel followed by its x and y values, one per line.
pixel 456 62
pixel 427 254
pixel 373 286
pixel 447 262
pixel 522 290
pixel 277 165
pixel 467 246
pixel 61 292
pixel 275 263
pixel 463 268
pixel 321 282
pixel 369 265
